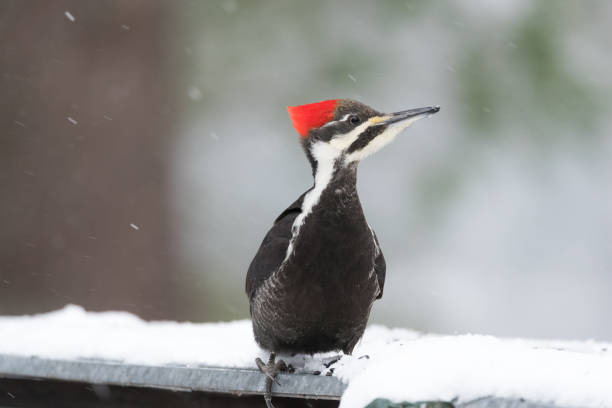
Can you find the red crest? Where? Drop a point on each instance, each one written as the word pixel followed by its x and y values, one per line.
pixel 312 115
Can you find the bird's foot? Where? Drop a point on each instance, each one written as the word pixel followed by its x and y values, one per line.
pixel 332 361
pixel 273 367
pixel 270 370
pixel 328 362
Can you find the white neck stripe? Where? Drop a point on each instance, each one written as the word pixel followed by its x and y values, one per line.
pixel 325 156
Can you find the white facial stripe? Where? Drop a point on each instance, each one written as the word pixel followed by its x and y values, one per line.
pixel 344 141
pixel 336 121
pixel 382 140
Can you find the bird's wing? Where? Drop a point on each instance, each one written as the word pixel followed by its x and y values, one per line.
pixel 380 267
pixel 273 249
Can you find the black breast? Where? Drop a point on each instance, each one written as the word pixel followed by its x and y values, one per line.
pixel 320 298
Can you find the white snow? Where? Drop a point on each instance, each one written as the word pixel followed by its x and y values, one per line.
pixel 194 93
pixel 69 16
pixel 417 367
pixel 72 333
pixel 402 365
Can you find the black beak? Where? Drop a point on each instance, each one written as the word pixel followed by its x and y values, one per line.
pixel 411 113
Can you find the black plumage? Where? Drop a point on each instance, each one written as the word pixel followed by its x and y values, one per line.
pixel 320 300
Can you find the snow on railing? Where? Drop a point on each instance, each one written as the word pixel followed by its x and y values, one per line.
pixel 119 349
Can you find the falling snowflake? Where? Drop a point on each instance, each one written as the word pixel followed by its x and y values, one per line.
pixel 194 93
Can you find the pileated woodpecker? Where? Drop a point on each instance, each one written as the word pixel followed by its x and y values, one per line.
pixel 318 270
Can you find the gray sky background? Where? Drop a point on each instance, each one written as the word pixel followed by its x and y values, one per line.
pixel 495 215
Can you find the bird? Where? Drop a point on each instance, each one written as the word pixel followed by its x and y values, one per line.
pixel 319 269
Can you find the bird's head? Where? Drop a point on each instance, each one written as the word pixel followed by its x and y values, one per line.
pixel 344 131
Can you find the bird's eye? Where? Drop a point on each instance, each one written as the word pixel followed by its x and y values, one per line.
pixel 354 119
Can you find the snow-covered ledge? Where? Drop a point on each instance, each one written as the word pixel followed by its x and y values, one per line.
pixel 394 364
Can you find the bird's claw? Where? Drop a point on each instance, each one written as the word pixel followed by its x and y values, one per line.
pixel 270 370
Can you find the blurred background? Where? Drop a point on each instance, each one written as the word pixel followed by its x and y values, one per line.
pixel 145 150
